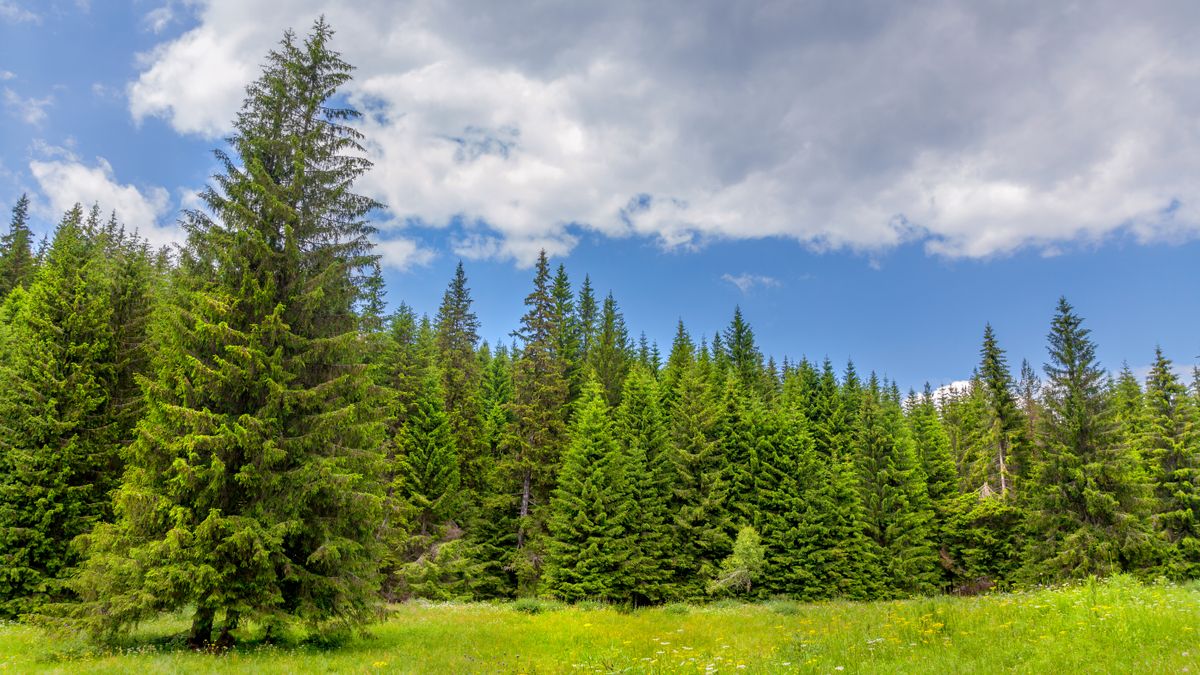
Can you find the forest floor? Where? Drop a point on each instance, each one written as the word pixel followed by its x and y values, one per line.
pixel 1117 626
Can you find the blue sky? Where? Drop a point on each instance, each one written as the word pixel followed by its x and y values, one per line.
pixel 868 184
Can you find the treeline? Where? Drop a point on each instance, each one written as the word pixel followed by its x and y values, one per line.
pixel 237 428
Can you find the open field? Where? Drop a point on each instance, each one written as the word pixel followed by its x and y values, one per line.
pixel 1116 626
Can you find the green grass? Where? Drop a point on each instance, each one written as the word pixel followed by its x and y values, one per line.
pixel 1117 626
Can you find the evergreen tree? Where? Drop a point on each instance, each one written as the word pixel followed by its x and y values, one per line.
pixel 681 358
pixel 427 459
pixel 252 489
pixel 462 376
pixel 17 263
pixel 702 520
pixel 743 354
pixel 643 437
pixel 1091 500
pixel 566 321
pixel 588 314
pixel 58 434
pixel 592 509
pixel 1129 407
pixel 611 356
pixel 898 514
pixel 1170 445
pixel 539 401
pixel 1004 439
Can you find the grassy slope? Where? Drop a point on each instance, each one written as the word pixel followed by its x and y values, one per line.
pixel 1111 627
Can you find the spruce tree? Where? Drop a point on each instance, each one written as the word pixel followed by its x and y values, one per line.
pixel 1090 501
pixel 682 356
pixel 703 524
pixel 566 321
pixel 537 408
pixel 587 312
pixel 462 376
pixel 1170 446
pixel 427 457
pixel 592 509
pixel 898 514
pixel 743 354
pixel 1006 445
pixel 611 355
pixel 17 263
pixel 252 489
pixel 59 437
pixel 642 434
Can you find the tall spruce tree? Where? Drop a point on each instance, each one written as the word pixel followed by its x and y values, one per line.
pixel 252 489
pixel 642 434
pixel 462 377
pixel 612 354
pixel 538 405
pixel 703 524
pixel 898 514
pixel 592 509
pixel 59 438
pixel 1091 500
pixel 17 262
pixel 1170 445
pixel 1005 442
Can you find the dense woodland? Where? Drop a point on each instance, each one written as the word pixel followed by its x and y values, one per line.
pixel 236 427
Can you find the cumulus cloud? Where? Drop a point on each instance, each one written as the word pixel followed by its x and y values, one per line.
pixel 65 181
pixel 29 110
pixel 975 128
pixel 6 75
pixel 746 281
pixel 402 254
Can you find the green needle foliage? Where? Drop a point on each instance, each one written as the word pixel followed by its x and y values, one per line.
pixel 252 488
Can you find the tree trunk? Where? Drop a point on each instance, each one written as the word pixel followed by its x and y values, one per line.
pixel 526 484
pixel 225 639
pixel 202 625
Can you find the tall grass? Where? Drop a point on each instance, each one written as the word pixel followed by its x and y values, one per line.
pixel 1113 626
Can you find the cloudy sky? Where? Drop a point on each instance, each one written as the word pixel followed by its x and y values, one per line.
pixel 872 180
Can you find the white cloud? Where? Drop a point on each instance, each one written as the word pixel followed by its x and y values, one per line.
pixel 157 19
pixel 66 181
pixel 955 388
pixel 402 254
pixel 6 75
pixel 30 110
pixel 746 281
pixel 977 129
pixel 14 13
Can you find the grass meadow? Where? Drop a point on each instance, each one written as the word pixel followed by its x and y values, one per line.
pixel 1117 626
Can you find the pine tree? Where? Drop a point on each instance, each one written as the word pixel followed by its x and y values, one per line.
pixel 592 509
pixel 17 263
pixel 537 408
pixel 1091 501
pixel 462 376
pixel 59 436
pixel 252 490
pixel 1170 445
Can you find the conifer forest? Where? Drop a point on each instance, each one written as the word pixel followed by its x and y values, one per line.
pixel 239 428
